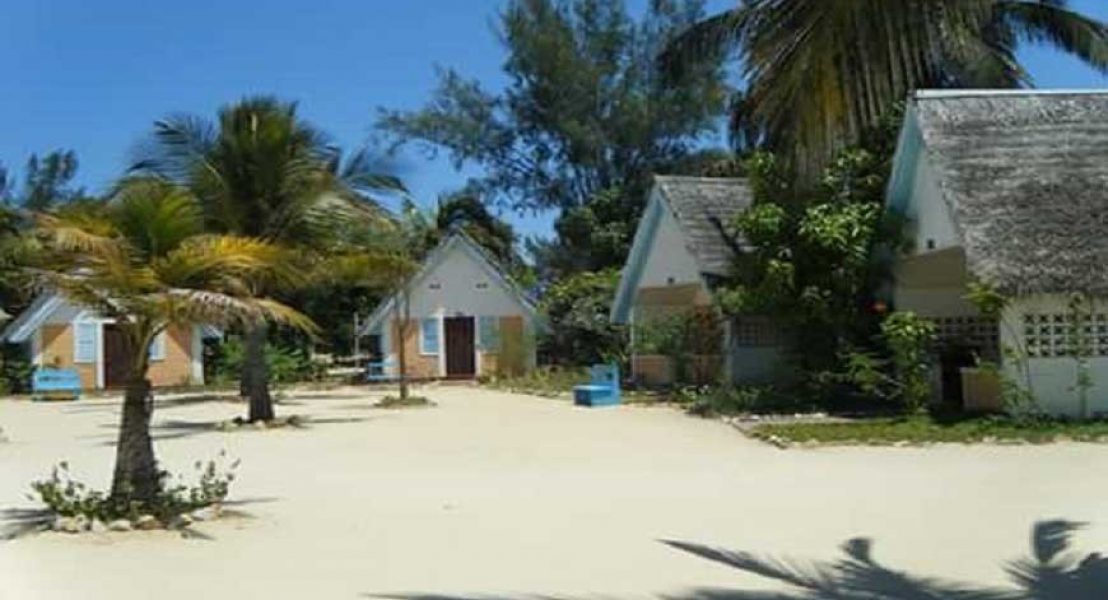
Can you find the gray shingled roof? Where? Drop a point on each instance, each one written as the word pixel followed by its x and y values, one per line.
pixel 1026 177
pixel 706 209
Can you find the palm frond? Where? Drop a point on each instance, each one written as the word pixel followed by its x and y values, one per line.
pixel 1044 22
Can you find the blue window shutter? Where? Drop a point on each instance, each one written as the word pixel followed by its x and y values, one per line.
pixel 489 333
pixel 157 347
pixel 84 341
pixel 429 336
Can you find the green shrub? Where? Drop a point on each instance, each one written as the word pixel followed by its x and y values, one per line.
pixel 287 364
pixel 542 381
pixel 15 372
pixel 729 401
pixel 67 497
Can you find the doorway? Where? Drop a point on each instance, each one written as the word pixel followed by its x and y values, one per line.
pixel 461 361
pixel 115 357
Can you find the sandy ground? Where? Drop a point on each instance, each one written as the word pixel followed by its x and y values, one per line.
pixel 499 494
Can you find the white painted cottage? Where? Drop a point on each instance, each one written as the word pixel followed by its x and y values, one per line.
pixel 683 249
pixel 467 317
pixel 1009 189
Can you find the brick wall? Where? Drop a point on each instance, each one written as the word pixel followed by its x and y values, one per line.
pixel 176 369
pixel 418 366
pixel 57 351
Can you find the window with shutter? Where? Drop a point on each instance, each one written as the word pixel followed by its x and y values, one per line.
pixel 429 336
pixel 489 334
pixel 84 341
pixel 157 347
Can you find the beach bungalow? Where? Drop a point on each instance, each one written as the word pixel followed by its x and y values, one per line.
pixel 60 334
pixel 683 249
pixel 1009 190
pixel 467 317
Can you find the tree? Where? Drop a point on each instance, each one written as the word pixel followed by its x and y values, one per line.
pixel 584 121
pixel 820 73
pixel 45 183
pixel 261 171
pixel 576 310
pixel 143 260
pixel 813 262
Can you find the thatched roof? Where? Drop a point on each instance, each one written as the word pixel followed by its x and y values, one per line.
pixel 705 208
pixel 1025 175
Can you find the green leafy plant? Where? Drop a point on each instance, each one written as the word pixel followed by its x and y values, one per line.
pixel 729 401
pixel 285 363
pixel 65 496
pixel 909 339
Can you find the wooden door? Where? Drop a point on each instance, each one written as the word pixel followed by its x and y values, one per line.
pixel 461 362
pixel 115 358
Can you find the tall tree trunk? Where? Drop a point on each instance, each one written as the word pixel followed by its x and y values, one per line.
pixel 402 326
pixel 255 374
pixel 136 470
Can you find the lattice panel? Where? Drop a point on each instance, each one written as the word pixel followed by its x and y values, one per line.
pixel 978 332
pixel 755 331
pixel 1050 335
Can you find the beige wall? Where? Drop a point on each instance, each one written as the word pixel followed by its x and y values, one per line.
pixel 517 351
pixel 419 366
pixel 516 354
pixel 664 301
pixel 176 369
pixel 57 351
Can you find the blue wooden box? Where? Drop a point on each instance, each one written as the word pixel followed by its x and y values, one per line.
pixel 56 384
pixel 602 389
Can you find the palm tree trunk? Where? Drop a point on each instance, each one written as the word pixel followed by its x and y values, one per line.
pixel 136 469
pixel 255 374
pixel 402 325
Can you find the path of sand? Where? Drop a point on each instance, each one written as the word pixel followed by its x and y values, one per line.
pixel 492 493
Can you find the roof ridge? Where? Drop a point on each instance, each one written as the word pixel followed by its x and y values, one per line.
pixel 700 178
pixel 932 94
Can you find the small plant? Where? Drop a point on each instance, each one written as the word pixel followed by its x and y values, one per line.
pixel 909 338
pixel 64 496
pixel 409 402
pixel 730 401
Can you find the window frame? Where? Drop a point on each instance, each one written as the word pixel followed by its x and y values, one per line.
pixel 434 323
pixel 80 358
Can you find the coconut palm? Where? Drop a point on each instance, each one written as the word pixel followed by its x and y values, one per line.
pixel 262 171
pixel 142 259
pixel 820 73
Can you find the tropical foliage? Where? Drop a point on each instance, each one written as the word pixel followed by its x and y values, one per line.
pixel 262 171
pixel 821 73
pixel 583 123
pixel 143 260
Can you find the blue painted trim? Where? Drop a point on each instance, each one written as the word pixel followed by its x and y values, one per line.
pixel 636 260
pixel 908 149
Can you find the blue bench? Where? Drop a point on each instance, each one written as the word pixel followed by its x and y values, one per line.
pixel 602 389
pixel 380 371
pixel 56 384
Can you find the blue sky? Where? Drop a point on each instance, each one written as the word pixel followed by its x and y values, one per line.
pixel 93 76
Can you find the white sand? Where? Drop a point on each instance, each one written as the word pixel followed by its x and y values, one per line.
pixel 492 493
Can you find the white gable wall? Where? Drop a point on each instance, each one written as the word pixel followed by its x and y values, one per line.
pixel 461 285
pixel 669 261
pixel 928 213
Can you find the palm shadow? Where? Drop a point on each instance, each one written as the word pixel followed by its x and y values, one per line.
pixel 1050 573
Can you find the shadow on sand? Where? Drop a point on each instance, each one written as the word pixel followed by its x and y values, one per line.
pixel 19 522
pixel 1049 573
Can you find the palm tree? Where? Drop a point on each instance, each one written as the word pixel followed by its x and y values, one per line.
pixel 142 259
pixel 820 73
pixel 261 171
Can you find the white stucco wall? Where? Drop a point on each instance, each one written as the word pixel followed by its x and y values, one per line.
pixel 928 213
pixel 669 261
pixel 460 285
pixel 1053 378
